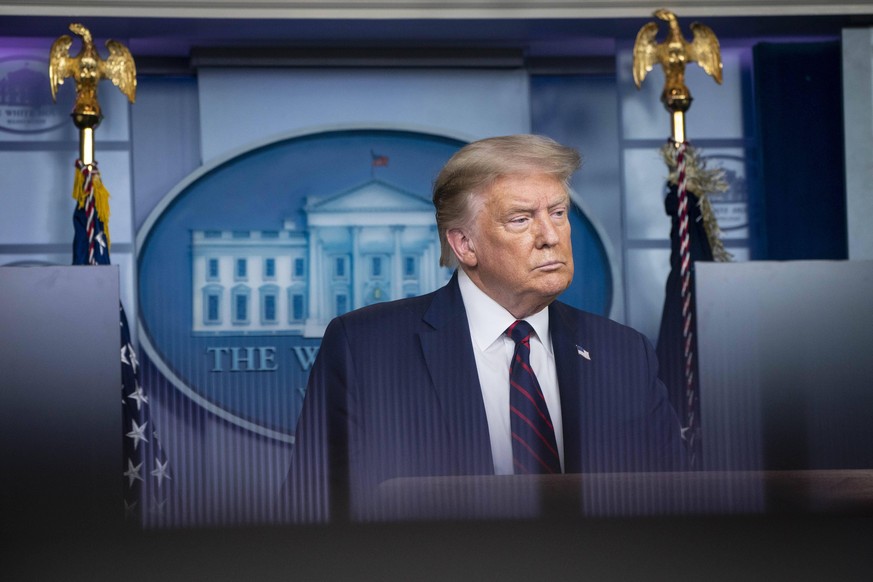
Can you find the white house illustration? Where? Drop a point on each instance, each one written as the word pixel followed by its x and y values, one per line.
pixel 372 243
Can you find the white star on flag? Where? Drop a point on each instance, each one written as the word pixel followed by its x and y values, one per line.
pixel 158 506
pixel 134 363
pixel 101 241
pixel 161 470
pixel 132 472
pixel 139 396
pixel 137 433
pixel 128 356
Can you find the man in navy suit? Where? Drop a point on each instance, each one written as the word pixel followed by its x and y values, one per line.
pixel 420 387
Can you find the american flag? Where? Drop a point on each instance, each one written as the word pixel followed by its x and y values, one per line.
pixel 671 355
pixel 379 160
pixel 146 473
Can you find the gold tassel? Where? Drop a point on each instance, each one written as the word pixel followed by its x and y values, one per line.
pixel 101 198
pixel 78 188
pixel 703 182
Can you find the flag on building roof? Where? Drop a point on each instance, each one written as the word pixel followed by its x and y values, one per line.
pixel 379 160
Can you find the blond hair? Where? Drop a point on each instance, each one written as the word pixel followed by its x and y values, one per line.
pixel 476 166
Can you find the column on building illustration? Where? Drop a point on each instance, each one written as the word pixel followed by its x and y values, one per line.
pixel 315 311
pixel 358 271
pixel 398 275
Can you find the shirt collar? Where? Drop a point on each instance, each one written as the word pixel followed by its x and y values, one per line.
pixel 488 320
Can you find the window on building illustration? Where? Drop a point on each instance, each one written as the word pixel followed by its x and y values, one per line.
pixel 340 268
pixel 269 314
pixel 269 304
pixel 342 303
pixel 212 305
pixel 269 268
pixel 212 269
pixel 241 234
pixel 241 305
pixel 376 267
pixel 409 267
pixel 299 268
pixel 241 268
pixel 242 308
pixel 212 308
pixel 298 312
pixel 212 234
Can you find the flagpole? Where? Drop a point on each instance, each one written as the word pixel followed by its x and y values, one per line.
pixel 673 54
pixel 146 468
pixel 677 100
pixel 87 124
pixel 678 116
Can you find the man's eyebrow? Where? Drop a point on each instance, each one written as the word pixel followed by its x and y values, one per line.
pixel 519 207
pixel 514 206
pixel 564 201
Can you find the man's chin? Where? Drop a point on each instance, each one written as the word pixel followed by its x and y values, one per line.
pixel 554 286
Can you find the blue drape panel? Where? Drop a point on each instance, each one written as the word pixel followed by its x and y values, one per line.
pixel 800 210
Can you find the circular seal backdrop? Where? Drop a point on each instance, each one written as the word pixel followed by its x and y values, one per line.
pixel 255 375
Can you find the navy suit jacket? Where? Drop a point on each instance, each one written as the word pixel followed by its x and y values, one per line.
pixel 394 392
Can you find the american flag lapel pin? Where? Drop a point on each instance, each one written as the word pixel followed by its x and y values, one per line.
pixel 583 352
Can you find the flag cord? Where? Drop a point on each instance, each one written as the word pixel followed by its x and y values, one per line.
pixel 91 194
pixel 687 314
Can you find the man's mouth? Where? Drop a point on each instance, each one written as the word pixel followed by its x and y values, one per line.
pixel 550 266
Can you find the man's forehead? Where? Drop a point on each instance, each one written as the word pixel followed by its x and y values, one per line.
pixel 515 190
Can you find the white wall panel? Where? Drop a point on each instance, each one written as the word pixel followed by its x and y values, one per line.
pixel 645 176
pixel 40 184
pixel 165 139
pixel 858 98
pixel 647 271
pixel 241 107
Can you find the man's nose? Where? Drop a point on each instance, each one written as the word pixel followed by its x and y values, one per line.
pixel 546 232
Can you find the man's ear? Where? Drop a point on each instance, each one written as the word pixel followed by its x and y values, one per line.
pixel 463 247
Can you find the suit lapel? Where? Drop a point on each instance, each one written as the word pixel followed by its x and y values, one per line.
pixel 575 375
pixel 448 353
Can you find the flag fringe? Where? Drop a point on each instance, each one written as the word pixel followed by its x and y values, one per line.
pixel 703 182
pixel 101 196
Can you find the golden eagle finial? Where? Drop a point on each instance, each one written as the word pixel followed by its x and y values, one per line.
pixel 87 69
pixel 673 54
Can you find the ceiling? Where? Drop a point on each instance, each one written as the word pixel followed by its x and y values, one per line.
pixel 158 42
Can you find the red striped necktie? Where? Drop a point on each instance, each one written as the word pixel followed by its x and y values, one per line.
pixel 534 449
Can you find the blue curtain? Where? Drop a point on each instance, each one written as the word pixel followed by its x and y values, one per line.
pixel 799 212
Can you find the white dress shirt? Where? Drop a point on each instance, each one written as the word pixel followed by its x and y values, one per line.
pixel 493 349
